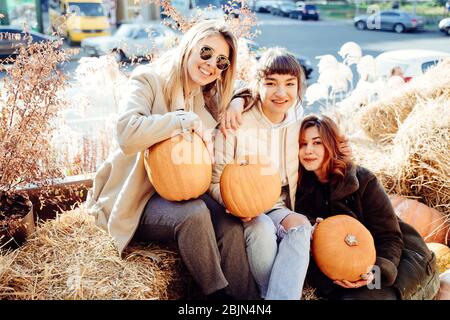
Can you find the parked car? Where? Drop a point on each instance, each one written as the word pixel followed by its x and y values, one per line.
pixel 264 6
pixel 413 62
pixel 396 20
pixel 304 62
pixel 305 12
pixel 11 37
pixel 283 8
pixel 131 40
pixel 87 18
pixel 444 26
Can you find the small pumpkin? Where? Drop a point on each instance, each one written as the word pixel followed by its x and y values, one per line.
pixel 442 253
pixel 444 289
pixel 343 248
pixel 249 187
pixel 179 168
pixel 431 224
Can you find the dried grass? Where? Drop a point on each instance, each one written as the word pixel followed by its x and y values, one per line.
pixel 71 258
pixel 421 152
pixel 417 162
pixel 309 293
pixel 382 119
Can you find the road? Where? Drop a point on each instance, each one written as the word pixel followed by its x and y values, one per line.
pixel 315 38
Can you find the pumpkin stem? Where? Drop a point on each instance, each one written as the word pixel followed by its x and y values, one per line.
pixel 243 163
pixel 351 240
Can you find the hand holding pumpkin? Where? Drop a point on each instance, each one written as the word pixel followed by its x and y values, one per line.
pixel 318 220
pixel 366 278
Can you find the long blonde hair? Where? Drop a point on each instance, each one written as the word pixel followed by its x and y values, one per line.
pixel 175 64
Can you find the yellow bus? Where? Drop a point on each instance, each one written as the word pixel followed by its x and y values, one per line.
pixel 85 18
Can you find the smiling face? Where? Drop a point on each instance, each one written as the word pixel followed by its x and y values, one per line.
pixel 278 93
pixel 312 152
pixel 201 72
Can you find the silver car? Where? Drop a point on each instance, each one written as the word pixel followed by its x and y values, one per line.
pixel 395 20
pixel 444 26
pixel 131 41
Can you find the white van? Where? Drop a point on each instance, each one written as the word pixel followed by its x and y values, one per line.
pixel 413 62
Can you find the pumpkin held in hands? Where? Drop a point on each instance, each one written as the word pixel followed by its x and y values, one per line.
pixel 249 187
pixel 179 168
pixel 343 248
pixel 430 223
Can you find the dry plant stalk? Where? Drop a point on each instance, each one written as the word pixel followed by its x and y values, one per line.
pixel 28 106
pixel 240 26
pixel 309 293
pixel 71 258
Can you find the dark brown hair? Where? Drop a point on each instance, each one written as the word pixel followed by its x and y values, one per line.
pixel 334 161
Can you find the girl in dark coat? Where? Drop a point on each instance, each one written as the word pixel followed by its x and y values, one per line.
pixel 330 184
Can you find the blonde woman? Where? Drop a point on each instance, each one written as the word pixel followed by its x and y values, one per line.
pixel 187 88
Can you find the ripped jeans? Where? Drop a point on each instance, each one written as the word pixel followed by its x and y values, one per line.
pixel 278 258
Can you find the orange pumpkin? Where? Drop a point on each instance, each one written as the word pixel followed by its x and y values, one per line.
pixel 343 248
pixel 430 223
pixel 249 187
pixel 179 168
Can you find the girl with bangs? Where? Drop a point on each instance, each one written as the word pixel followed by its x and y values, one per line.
pixel 278 240
pixel 185 89
pixel 330 184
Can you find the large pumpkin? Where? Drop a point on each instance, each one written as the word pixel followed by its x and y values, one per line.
pixel 180 167
pixel 249 187
pixel 343 248
pixel 442 253
pixel 430 223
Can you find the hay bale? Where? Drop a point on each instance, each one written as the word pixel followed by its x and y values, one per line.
pixel 381 120
pixel 420 157
pixel 417 162
pixel 71 258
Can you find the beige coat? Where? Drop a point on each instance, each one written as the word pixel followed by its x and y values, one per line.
pixel 121 187
pixel 244 141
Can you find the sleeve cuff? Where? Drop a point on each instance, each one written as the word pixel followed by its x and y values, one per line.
pixel 182 117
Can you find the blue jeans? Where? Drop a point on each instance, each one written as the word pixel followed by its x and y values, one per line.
pixel 278 258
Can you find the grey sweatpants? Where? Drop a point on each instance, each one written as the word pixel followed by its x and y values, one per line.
pixel 211 242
